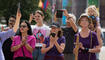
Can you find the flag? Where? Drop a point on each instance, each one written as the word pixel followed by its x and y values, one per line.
pixel 46 4
pixel 41 4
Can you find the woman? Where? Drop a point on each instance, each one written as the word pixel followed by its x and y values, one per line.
pixel 24 43
pixel 88 40
pixel 40 31
pixel 54 44
pixel 95 25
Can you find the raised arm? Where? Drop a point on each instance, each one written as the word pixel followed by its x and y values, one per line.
pixel 30 19
pixel 71 19
pixel 18 16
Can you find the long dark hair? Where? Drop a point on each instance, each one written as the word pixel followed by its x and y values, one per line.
pixel 29 32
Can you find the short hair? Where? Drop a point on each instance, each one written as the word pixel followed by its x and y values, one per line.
pixel 39 12
pixel 73 16
pixel 13 16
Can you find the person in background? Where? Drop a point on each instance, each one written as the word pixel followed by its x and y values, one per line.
pixel 88 42
pixel 23 44
pixel 7 44
pixel 54 44
pixel 11 32
pixel 40 31
pixel 95 25
pixel 69 31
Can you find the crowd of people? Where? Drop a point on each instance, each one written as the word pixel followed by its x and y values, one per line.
pixel 20 41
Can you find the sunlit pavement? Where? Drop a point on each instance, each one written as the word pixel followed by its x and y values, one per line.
pixel 102 53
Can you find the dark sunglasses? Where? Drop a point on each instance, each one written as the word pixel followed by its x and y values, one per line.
pixel 23 26
pixel 11 20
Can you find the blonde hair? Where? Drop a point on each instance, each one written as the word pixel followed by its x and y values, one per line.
pixel 92 7
pixel 73 16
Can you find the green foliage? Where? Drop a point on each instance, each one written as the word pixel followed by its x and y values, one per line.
pixel 9 7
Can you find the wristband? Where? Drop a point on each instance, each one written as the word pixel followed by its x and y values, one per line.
pixel 85 50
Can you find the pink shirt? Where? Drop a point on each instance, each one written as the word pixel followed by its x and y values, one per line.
pixel 16 41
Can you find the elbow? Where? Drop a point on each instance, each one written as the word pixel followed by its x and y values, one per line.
pixel 31 50
pixel 98 50
pixel 42 51
pixel 12 50
pixel 61 51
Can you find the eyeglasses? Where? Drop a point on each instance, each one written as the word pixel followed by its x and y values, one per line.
pixel 24 26
pixel 11 20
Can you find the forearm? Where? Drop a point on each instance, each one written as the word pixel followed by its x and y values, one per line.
pixel 59 48
pixel 100 42
pixel 14 48
pixel 44 50
pixel 73 25
pixel 29 48
pixel 16 25
pixel 94 50
pixel 30 20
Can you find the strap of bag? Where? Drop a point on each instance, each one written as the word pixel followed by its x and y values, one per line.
pixel 90 45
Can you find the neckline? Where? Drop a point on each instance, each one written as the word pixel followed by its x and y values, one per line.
pixel 85 37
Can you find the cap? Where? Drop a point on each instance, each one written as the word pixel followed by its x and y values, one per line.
pixel 54 24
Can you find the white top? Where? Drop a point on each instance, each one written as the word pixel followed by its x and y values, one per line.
pixel 40 33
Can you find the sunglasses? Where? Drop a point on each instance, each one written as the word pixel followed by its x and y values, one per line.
pixel 24 26
pixel 92 17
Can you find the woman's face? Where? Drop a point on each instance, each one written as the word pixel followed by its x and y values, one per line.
pixel 91 12
pixel 54 30
pixel 38 18
pixel 84 22
pixel 23 27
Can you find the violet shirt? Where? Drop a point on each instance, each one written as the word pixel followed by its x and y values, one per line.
pixel 17 40
pixel 3 36
pixel 53 51
pixel 86 43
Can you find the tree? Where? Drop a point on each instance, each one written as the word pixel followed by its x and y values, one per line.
pixel 9 7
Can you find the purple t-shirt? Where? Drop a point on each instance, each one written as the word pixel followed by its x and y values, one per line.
pixel 86 43
pixel 53 51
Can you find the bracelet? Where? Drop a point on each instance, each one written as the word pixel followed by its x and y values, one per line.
pixel 85 50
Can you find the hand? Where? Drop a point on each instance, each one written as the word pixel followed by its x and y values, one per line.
pixel 31 17
pixel 24 40
pixel 18 15
pixel 55 18
pixel 52 41
pixel 2 28
pixel 65 12
pixel 81 46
